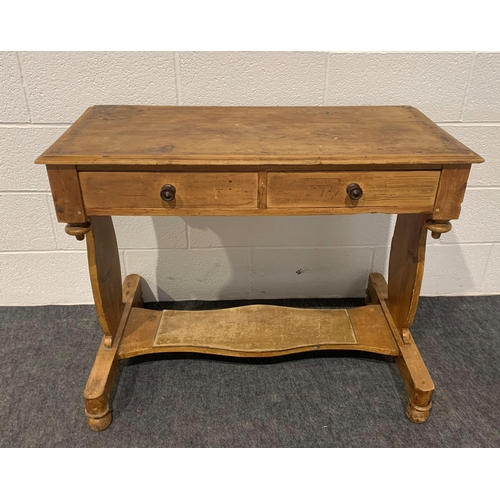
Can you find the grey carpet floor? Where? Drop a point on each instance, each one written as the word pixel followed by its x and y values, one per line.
pixel 336 399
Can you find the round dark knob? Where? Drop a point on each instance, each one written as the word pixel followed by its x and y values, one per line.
pixel 354 191
pixel 167 192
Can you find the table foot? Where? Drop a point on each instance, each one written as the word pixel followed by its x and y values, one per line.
pixel 415 375
pixel 100 424
pixel 417 380
pixel 97 408
pixel 101 378
pixel 418 414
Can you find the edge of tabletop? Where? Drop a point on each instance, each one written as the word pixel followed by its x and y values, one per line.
pixel 257 160
pixel 465 157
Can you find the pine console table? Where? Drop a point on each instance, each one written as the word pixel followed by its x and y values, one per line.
pixel 167 160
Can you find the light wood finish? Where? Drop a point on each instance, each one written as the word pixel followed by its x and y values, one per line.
pixel 65 187
pixel 402 333
pixel 406 268
pixel 140 333
pixel 256 331
pixel 78 230
pixel 289 167
pixel 273 193
pixel 101 378
pixel 438 227
pixel 141 191
pixel 262 189
pixel 417 380
pixel 451 192
pixel 414 190
pixel 287 211
pixel 377 287
pixel 105 275
pixel 115 160
pixel 190 135
pixel 371 331
pixel 415 375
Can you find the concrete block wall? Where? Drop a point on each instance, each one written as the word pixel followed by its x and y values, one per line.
pixel 41 94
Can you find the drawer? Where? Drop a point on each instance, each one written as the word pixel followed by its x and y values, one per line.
pixel 139 192
pixel 415 190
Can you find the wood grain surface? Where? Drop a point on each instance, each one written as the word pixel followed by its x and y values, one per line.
pixel 415 375
pixel 100 382
pixel 257 328
pixel 256 331
pixel 65 187
pixel 257 161
pixel 105 274
pixel 190 135
pixel 451 192
pixel 141 190
pixel 328 189
pixel 406 268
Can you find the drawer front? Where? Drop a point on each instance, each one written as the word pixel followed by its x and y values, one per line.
pixel 131 192
pixel 415 190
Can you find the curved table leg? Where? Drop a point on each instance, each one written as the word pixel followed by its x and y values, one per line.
pixel 113 304
pixel 406 269
pixel 105 275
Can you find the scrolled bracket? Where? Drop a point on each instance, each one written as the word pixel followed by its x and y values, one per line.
pixel 438 227
pixel 78 230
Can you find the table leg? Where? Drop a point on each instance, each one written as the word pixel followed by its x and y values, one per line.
pixel 113 304
pixel 105 275
pixel 406 268
pixel 102 375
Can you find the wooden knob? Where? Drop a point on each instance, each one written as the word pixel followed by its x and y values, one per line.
pixel 167 192
pixel 78 230
pixel 354 191
pixel 437 227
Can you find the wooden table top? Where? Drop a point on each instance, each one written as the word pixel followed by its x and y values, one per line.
pixel 192 135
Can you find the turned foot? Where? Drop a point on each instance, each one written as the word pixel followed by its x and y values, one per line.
pixel 418 414
pixel 101 378
pixel 98 412
pixel 99 424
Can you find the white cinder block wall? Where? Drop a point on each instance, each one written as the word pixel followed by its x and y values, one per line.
pixel 41 94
